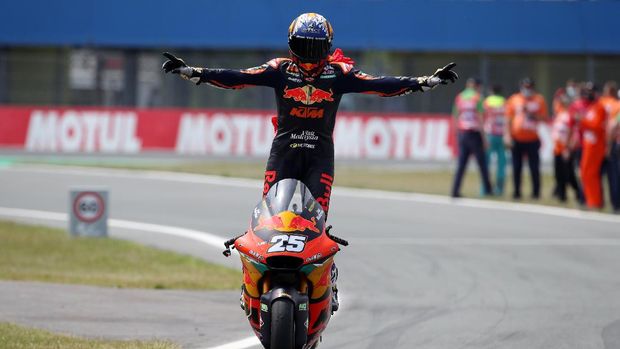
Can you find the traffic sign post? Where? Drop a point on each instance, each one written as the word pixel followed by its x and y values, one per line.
pixel 88 211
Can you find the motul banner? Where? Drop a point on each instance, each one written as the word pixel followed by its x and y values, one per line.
pixel 220 132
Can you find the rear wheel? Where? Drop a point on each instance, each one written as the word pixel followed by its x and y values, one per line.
pixel 282 324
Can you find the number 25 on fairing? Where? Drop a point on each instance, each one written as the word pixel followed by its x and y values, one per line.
pixel 289 243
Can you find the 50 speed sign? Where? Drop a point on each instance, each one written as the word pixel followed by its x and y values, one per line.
pixel 88 212
pixel 88 206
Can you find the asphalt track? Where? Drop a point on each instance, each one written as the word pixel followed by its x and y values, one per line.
pixel 421 271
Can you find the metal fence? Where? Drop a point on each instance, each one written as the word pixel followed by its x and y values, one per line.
pixel 129 77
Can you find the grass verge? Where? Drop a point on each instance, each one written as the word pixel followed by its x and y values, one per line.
pixel 18 337
pixel 38 253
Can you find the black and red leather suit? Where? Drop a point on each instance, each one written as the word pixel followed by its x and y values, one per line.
pixel 303 147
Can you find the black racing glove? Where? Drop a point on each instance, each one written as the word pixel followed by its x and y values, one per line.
pixel 441 76
pixel 176 65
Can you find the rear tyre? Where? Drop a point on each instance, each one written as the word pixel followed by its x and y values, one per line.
pixel 282 324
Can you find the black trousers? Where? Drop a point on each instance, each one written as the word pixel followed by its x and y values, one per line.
pixel 470 143
pixel 529 150
pixel 564 170
pixel 315 172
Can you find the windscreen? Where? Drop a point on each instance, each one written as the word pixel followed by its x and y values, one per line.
pixel 288 208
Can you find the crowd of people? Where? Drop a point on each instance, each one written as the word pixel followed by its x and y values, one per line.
pixel 585 124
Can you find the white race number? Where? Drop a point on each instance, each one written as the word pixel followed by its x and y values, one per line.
pixel 290 243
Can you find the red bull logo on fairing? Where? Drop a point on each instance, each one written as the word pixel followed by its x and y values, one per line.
pixel 308 94
pixel 287 221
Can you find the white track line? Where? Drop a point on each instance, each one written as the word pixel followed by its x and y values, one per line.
pixel 138 174
pixel 201 236
pixel 339 191
pixel 478 203
pixel 240 344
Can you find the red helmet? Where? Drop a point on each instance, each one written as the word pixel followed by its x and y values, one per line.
pixel 309 40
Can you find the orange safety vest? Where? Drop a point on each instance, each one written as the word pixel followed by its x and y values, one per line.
pixel 561 131
pixel 525 114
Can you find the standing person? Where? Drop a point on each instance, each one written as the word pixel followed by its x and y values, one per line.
pixel 494 125
pixel 524 111
pixel 594 142
pixel 308 86
pixel 564 134
pixel 467 112
pixel 562 99
pixel 613 174
pixel 571 90
pixel 609 98
pixel 577 110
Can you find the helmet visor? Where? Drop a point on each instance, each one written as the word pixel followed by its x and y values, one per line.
pixel 309 49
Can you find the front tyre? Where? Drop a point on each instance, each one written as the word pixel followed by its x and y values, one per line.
pixel 282 324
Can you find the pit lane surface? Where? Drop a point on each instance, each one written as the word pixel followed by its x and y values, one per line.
pixel 420 272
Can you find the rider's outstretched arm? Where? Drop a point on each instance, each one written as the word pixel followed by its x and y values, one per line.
pixel 356 81
pixel 264 75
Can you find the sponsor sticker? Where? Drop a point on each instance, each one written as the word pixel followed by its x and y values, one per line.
pixel 286 222
pixel 302 145
pixel 257 255
pixel 308 94
pixel 307 112
pixel 305 136
pixel 313 258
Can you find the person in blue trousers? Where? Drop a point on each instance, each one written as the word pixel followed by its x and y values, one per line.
pixel 467 112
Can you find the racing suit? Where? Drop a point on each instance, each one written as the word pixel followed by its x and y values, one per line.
pixel 303 147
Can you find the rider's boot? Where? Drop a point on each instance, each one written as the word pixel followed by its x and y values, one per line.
pixel 241 301
pixel 334 277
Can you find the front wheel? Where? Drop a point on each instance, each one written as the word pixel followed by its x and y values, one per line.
pixel 282 324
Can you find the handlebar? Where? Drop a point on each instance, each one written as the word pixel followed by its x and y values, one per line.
pixel 336 239
pixel 228 243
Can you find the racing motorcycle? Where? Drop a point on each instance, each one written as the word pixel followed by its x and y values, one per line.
pixel 287 256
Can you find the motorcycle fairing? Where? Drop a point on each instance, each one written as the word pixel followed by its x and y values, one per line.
pixel 288 207
pixel 287 222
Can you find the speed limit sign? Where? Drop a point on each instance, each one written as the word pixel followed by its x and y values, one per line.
pixel 88 210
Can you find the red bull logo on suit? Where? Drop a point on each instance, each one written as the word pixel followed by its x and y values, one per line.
pixel 308 94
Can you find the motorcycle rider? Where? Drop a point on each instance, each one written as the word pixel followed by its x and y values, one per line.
pixel 308 86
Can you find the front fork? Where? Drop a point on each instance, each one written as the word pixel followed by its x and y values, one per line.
pixel 300 305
